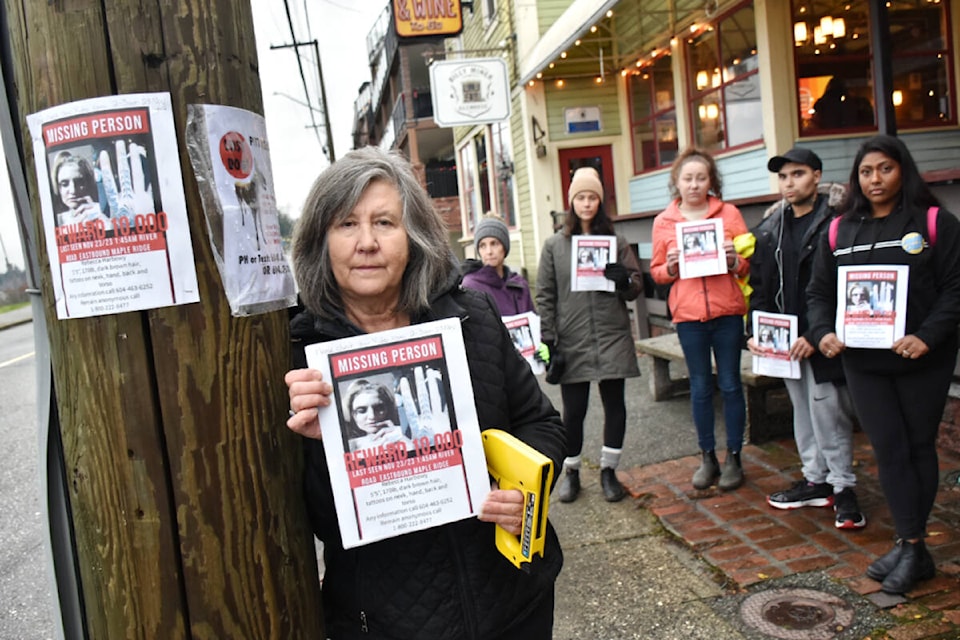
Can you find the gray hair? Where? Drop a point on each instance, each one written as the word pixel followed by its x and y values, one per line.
pixel 333 197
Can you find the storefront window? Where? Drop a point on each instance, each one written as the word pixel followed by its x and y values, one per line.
pixel 835 85
pixel 722 73
pixel 653 115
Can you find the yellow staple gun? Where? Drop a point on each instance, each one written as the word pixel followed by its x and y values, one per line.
pixel 517 465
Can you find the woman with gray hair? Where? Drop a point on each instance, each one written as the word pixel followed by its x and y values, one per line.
pixel 371 254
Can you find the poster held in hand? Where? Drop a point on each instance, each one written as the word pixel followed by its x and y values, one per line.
pixel 773 333
pixel 872 305
pixel 701 248
pixel 589 256
pixel 524 331
pixel 401 437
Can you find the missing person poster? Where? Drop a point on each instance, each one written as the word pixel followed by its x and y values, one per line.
pixel 589 256
pixel 231 159
pixel 524 331
pixel 401 437
pixel 773 334
pixel 701 248
pixel 114 212
pixel 872 305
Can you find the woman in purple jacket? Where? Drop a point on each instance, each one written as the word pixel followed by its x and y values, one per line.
pixel 489 274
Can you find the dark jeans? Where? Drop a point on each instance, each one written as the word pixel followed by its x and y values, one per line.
pixel 724 337
pixel 575 397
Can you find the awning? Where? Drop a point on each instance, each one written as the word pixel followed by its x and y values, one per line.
pixel 573 24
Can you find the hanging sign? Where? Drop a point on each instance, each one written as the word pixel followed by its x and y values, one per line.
pixel 469 92
pixel 422 18
pixel 114 212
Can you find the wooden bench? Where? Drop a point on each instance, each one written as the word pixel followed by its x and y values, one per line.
pixel 769 413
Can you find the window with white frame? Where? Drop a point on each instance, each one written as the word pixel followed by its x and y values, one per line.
pixel 723 81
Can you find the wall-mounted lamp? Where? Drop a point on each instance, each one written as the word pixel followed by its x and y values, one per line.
pixel 897 98
pixel 702 80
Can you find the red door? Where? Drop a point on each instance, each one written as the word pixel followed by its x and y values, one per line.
pixel 601 159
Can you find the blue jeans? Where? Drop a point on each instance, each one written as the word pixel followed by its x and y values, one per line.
pixel 724 336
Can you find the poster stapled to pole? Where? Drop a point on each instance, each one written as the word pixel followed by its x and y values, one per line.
pixel 230 155
pixel 113 207
pixel 401 437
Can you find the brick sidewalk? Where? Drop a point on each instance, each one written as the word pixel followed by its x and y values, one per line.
pixel 748 541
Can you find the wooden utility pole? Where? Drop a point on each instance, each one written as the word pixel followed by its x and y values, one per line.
pixel 184 485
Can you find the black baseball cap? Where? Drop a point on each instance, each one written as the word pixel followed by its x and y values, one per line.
pixel 798 155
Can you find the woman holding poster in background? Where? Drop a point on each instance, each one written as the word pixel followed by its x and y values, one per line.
pixel 591 329
pixel 372 254
pixel 899 393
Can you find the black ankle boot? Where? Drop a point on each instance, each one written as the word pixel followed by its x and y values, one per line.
pixel 915 564
pixel 613 491
pixel 708 472
pixel 569 487
pixel 882 566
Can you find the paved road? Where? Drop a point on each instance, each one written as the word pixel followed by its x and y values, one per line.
pixel 25 593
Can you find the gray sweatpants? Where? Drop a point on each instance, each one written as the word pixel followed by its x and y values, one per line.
pixel 823 429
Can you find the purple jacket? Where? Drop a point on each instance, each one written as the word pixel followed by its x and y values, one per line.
pixel 511 293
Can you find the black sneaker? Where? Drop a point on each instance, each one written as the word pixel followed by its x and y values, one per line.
pixel 803 494
pixel 848 511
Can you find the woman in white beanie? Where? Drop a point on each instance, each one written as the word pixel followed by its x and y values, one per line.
pixel 592 331
pixel 489 274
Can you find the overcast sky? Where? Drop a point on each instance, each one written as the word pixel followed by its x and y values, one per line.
pixel 340 27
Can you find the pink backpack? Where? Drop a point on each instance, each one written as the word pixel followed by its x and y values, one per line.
pixel 931 228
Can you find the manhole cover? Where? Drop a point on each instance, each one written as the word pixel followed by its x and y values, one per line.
pixel 797 614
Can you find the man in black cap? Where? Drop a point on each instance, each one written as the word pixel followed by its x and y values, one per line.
pixel 822 411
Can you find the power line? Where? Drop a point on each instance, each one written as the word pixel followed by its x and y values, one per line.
pixel 303 77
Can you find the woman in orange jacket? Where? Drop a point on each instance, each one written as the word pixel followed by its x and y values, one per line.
pixel 706 310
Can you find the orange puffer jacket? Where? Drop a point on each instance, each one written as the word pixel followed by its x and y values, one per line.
pixel 707 297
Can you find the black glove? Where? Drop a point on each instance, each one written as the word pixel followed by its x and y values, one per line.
pixel 619 274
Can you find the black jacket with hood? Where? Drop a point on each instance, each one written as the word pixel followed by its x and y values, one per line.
pixel 775 293
pixel 933 291
pixel 447 582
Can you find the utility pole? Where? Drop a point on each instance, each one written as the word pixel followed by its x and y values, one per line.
pixel 182 484
pixel 331 155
